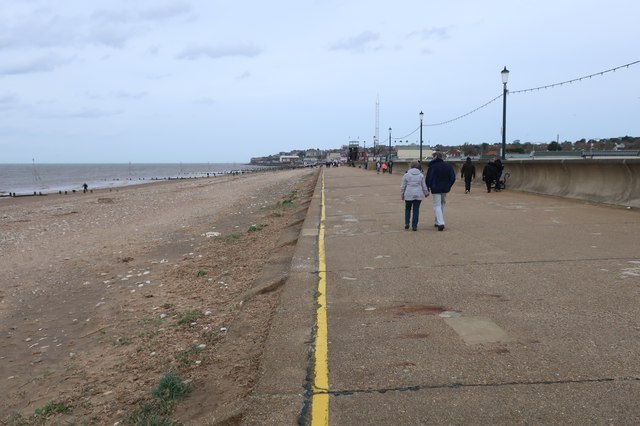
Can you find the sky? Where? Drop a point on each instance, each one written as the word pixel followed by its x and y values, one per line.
pixel 167 81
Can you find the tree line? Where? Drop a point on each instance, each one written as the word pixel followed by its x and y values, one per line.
pixel 518 147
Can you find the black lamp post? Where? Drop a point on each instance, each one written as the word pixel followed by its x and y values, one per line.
pixel 389 152
pixel 421 117
pixel 505 77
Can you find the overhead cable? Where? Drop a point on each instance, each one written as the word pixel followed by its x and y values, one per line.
pixel 549 86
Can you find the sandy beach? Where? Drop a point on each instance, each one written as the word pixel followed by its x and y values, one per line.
pixel 103 294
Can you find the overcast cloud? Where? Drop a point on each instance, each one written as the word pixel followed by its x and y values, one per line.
pixel 220 81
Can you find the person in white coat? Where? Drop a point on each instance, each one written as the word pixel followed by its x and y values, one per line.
pixel 413 190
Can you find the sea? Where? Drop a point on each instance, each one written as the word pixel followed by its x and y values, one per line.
pixel 27 179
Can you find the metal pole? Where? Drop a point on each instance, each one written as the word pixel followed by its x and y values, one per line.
pixel 389 152
pixel 421 140
pixel 504 121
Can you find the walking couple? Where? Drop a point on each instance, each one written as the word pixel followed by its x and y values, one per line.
pixel 415 187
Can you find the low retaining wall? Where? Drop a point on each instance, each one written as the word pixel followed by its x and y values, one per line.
pixel 607 181
pixel 611 181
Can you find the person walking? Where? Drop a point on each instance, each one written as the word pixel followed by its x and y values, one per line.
pixel 413 190
pixel 440 179
pixel 490 174
pixel 468 172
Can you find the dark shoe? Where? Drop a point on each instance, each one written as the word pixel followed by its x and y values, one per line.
pixel 440 227
pixel 406 227
pixel 415 229
pixel 488 190
pixel 435 225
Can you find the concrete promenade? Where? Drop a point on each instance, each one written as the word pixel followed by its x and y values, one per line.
pixel 525 310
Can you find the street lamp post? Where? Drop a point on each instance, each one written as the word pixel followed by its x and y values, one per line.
pixel 389 152
pixel 421 117
pixel 505 76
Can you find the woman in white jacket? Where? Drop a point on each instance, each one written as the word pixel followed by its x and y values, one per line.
pixel 413 190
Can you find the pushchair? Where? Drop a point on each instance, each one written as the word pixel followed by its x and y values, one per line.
pixel 501 183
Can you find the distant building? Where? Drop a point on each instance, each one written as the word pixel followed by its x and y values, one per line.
pixel 412 152
pixel 289 159
pixel 334 156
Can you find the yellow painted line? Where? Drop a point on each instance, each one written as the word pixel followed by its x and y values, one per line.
pixel 320 398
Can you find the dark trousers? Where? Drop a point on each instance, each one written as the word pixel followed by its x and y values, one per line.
pixel 489 182
pixel 415 205
pixel 467 183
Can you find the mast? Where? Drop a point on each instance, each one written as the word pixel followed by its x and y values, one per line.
pixel 36 176
pixel 376 137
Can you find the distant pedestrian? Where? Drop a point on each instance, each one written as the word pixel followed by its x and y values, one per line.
pixel 490 174
pixel 384 168
pixel 468 173
pixel 85 188
pixel 378 167
pixel 390 166
pixel 440 179
pixel 413 190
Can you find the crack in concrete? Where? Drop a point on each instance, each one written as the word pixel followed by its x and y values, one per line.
pixel 347 392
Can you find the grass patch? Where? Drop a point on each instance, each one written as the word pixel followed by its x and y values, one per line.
pixel 285 203
pixel 51 408
pixel 169 389
pixel 255 228
pixel 201 273
pixel 190 316
pixel 151 414
pixel 16 419
pixel 153 321
pixel 232 238
pixel 184 357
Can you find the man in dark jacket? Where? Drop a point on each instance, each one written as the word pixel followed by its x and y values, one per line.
pixel 490 174
pixel 468 172
pixel 440 179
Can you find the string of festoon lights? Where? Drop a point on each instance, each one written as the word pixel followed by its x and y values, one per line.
pixel 549 86
pixel 513 92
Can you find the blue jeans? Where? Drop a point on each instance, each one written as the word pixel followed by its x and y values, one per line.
pixel 415 205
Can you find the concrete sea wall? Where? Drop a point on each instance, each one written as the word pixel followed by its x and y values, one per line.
pixel 607 181
pixel 614 181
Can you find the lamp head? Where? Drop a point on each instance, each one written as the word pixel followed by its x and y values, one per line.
pixel 505 75
pixel 421 115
